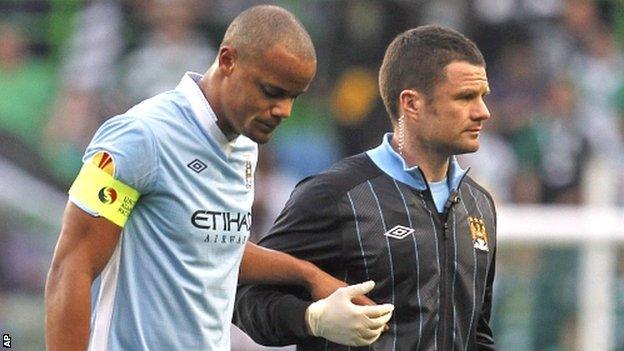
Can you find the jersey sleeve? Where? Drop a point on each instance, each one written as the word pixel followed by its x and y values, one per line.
pixel 484 337
pixel 125 148
pixel 307 228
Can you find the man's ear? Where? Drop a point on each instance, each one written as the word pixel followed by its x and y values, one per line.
pixel 410 103
pixel 228 58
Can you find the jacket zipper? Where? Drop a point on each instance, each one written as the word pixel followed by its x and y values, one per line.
pixel 447 300
pixel 444 276
pixel 444 280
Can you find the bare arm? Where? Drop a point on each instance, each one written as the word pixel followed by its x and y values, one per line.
pixel 85 246
pixel 265 266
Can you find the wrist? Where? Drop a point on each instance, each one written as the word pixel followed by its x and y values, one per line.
pixel 307 321
pixel 309 274
pixel 312 315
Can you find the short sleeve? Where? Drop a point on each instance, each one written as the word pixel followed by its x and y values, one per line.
pixel 128 147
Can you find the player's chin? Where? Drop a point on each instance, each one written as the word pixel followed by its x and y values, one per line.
pixel 260 137
pixel 467 147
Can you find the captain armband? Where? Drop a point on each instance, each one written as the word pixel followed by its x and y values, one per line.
pixel 99 191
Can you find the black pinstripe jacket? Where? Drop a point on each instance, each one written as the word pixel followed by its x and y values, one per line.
pixel 358 223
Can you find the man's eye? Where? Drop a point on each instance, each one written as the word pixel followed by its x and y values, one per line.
pixel 271 92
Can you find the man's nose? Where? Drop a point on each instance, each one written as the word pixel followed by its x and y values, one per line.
pixel 282 108
pixel 481 111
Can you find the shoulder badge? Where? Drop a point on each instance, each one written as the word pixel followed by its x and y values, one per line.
pixel 104 161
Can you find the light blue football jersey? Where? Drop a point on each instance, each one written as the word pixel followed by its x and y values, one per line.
pixel 171 282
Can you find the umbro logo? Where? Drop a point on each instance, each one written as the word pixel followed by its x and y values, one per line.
pixel 399 232
pixel 197 166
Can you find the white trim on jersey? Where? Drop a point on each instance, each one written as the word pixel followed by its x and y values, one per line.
pixel 106 300
pixel 202 110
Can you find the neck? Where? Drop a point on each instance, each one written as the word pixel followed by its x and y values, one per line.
pixel 209 86
pixel 433 164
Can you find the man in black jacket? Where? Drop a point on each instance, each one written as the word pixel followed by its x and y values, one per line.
pixel 403 214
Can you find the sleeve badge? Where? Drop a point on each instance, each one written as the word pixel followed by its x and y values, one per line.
pixel 104 161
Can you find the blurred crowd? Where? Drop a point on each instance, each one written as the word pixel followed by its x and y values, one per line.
pixel 556 71
pixel 555 67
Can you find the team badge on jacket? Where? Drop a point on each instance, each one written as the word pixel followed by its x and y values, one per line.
pixel 479 235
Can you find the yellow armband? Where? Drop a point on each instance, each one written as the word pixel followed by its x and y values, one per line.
pixel 98 190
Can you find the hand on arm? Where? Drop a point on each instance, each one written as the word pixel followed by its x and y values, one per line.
pixel 337 319
pixel 321 285
pixel 280 315
pixel 340 314
pixel 84 248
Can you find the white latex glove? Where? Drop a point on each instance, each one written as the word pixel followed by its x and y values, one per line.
pixel 337 319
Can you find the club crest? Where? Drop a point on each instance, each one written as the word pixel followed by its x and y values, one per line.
pixel 479 234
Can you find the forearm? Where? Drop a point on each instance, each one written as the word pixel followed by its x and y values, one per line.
pixel 269 267
pixel 271 315
pixel 265 266
pixel 275 316
pixel 68 310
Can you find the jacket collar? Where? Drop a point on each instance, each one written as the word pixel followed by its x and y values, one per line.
pixel 391 163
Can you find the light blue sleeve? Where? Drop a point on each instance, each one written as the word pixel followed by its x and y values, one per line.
pixel 132 146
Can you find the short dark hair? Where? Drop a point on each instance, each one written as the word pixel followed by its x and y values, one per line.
pixel 416 59
pixel 260 27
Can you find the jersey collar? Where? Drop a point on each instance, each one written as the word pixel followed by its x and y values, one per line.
pixel 391 163
pixel 202 111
